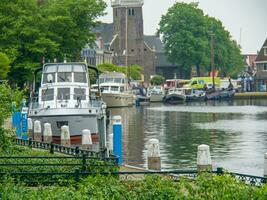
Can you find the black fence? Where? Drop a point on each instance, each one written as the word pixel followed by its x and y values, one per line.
pixel 74 151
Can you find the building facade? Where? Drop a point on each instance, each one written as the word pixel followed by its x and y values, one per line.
pixel 261 66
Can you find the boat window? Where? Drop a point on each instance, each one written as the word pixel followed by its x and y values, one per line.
pixel 117 80
pixel 64 68
pixel 48 78
pixel 79 93
pixel 64 77
pixel 47 94
pixel 78 68
pixel 105 88
pixel 80 77
pixel 114 88
pixel 50 69
pixel 101 80
pixel 63 93
pixel 108 80
pixel 121 89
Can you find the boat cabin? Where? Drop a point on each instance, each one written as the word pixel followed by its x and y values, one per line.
pixel 64 85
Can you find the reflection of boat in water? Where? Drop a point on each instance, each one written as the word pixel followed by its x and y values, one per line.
pixel 141 96
pixel 115 90
pixel 156 93
pixel 64 99
pixel 174 96
pixel 193 94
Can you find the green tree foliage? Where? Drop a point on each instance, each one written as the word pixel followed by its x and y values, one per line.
pixel 135 70
pixel 157 80
pixel 187 34
pixel 4 66
pixel 33 30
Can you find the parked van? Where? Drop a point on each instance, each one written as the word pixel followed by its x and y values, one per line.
pixel 200 82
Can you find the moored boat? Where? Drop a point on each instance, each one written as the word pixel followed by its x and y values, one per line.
pixel 156 93
pixel 175 96
pixel 194 95
pixel 115 90
pixel 64 98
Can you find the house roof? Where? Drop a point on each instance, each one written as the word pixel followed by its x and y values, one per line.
pixel 105 31
pixel 154 41
pixel 261 57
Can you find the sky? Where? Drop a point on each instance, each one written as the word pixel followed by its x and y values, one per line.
pixel 246 20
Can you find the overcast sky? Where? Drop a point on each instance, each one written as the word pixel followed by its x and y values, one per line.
pixel 248 17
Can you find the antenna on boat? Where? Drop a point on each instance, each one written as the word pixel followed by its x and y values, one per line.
pixel 65 58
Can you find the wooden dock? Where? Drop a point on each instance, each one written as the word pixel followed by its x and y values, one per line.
pixel 251 95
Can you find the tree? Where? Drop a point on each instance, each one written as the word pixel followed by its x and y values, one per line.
pixel 184 36
pixel 33 30
pixel 4 66
pixel 135 70
pixel 187 33
pixel 157 80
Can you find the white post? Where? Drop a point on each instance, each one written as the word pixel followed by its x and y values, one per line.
pixel 265 165
pixel 65 136
pixel 48 135
pixel 204 158
pixel 110 142
pixel 30 128
pixel 87 143
pixel 37 135
pixel 153 155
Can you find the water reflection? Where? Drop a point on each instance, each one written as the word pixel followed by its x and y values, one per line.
pixel 236 132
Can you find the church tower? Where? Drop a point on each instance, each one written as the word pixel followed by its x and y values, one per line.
pixel 128 32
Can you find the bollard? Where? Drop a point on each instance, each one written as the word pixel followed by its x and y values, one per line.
pixel 37 135
pixel 153 155
pixel 48 135
pixel 65 136
pixel 117 138
pixel 265 165
pixel 110 142
pixel 203 158
pixel 87 143
pixel 30 128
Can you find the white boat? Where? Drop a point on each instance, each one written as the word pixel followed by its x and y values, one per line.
pixel 194 94
pixel 156 93
pixel 115 90
pixel 175 95
pixel 64 99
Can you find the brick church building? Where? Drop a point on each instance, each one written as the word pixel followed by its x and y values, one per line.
pixel 125 38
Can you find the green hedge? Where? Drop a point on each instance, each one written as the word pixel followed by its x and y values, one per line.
pixel 206 186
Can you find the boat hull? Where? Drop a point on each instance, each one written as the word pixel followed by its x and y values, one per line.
pixel 175 98
pixel 117 100
pixel 156 98
pixel 76 119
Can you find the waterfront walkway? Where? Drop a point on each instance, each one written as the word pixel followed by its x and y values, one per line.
pixel 250 95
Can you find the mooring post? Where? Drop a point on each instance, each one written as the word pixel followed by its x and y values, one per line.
pixel 65 136
pixel 203 158
pixel 153 155
pixel 110 142
pixel 87 143
pixel 265 165
pixel 30 128
pixel 48 135
pixel 37 135
pixel 117 138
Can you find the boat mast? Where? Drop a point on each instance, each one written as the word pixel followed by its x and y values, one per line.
pixel 212 58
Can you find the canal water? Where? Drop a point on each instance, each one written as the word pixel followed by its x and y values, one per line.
pixel 236 132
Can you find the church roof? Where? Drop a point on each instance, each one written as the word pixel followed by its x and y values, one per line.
pixel 154 41
pixel 105 31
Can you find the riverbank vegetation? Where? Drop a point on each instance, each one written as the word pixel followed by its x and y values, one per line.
pixel 192 38
pixel 204 187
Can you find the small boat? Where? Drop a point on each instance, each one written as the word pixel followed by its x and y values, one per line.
pixel 141 95
pixel 194 95
pixel 220 94
pixel 156 93
pixel 175 95
pixel 115 90
pixel 64 98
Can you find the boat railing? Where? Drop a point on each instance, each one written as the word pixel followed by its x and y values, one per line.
pixel 66 101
